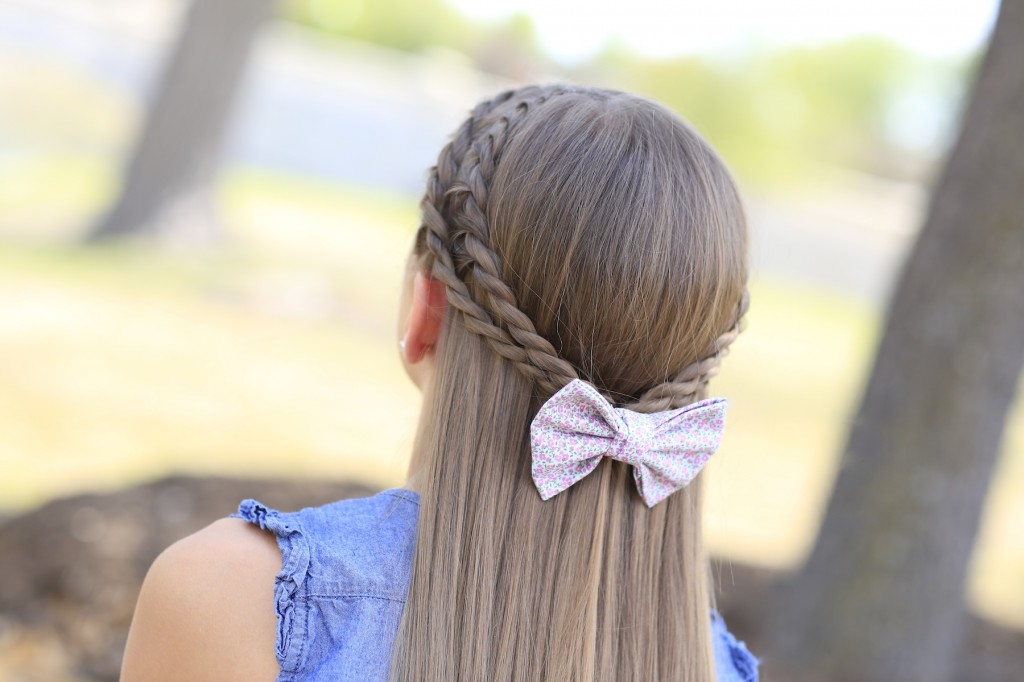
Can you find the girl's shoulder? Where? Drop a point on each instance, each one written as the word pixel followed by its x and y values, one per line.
pixel 203 610
pixel 201 614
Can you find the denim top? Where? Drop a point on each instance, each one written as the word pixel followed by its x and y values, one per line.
pixel 345 572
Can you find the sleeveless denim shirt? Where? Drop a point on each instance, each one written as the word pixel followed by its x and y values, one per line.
pixel 345 572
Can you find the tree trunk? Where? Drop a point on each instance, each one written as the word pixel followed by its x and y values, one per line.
pixel 881 597
pixel 166 190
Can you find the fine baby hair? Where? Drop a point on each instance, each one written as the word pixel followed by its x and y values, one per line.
pixel 580 235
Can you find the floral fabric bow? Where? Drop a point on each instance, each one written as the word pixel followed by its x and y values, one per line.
pixel 577 426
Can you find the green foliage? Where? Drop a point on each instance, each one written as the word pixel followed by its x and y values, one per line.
pixel 410 25
pixel 508 47
pixel 841 94
pixel 775 114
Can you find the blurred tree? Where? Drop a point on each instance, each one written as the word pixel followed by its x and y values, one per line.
pixel 510 48
pixel 166 188
pixel 881 597
pixel 507 47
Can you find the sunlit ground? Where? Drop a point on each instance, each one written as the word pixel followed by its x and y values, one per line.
pixel 277 356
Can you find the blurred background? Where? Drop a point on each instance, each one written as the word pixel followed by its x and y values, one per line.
pixel 254 336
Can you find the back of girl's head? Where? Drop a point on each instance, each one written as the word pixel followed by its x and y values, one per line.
pixel 580 234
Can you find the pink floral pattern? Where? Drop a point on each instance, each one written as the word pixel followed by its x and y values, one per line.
pixel 577 426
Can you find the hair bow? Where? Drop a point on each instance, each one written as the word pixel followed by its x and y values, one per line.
pixel 577 426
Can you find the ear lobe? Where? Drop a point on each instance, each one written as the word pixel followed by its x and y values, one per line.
pixel 426 316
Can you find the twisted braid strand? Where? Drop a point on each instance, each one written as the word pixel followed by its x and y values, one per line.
pixel 461 251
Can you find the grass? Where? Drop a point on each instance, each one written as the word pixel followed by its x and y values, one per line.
pixel 277 357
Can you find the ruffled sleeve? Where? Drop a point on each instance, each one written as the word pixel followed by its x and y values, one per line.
pixel 289 584
pixel 733 661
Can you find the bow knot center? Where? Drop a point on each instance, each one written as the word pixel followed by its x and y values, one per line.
pixel 631 446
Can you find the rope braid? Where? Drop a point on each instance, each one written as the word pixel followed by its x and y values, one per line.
pixel 458 254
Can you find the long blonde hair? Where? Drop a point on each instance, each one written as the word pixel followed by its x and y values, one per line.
pixel 579 233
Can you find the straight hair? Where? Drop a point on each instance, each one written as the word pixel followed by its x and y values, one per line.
pixel 587 234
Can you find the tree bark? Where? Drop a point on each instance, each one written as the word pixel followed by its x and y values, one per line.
pixel 881 596
pixel 166 189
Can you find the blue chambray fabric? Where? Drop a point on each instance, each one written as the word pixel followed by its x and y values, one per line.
pixel 344 576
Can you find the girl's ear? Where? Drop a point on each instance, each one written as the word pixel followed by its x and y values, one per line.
pixel 426 315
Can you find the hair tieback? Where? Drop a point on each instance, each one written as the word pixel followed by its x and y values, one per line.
pixel 577 426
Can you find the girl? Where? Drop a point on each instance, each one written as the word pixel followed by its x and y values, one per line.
pixel 578 273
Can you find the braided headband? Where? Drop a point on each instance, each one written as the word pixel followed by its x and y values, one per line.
pixel 664 437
